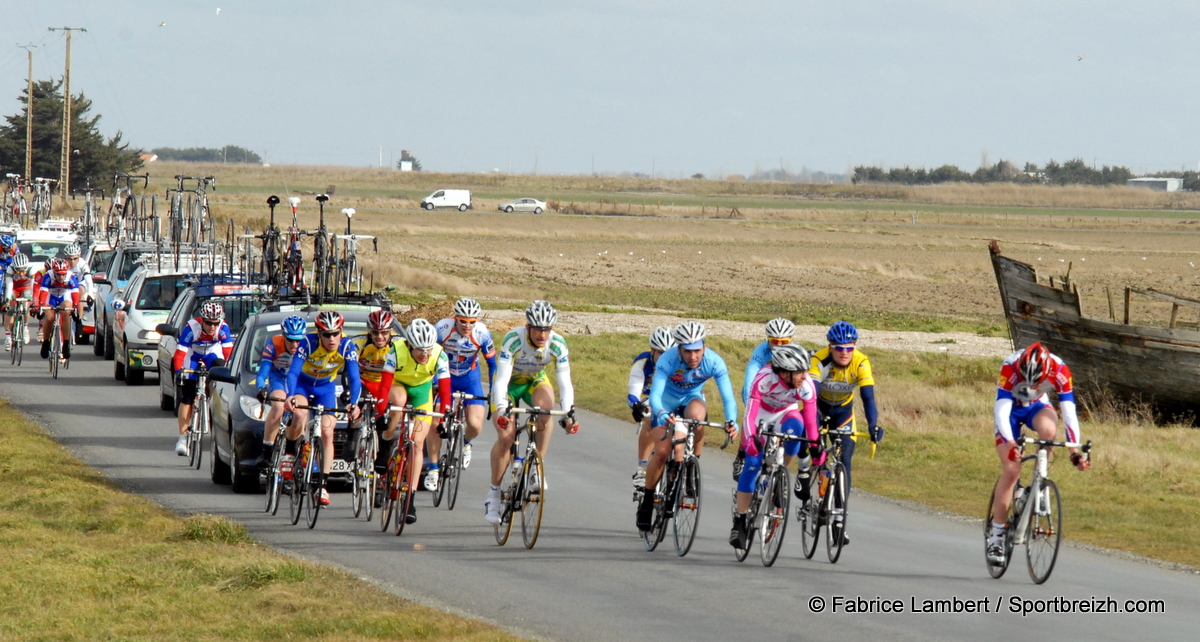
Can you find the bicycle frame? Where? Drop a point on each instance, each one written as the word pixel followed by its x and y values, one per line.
pixel 1041 473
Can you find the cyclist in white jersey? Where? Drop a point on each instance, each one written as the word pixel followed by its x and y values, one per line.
pixel 464 338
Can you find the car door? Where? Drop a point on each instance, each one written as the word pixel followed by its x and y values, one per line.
pixel 222 400
pixel 167 344
pixel 121 316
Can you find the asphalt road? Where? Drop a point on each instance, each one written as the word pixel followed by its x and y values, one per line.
pixel 589 577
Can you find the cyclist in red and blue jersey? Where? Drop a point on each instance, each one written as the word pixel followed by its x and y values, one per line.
pixel 464 337
pixel 679 378
pixel 59 290
pixel 271 382
pixel 1025 378
pixel 205 339
pixel 320 359
pixel 641 375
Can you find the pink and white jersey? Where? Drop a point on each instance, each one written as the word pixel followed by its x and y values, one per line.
pixel 772 400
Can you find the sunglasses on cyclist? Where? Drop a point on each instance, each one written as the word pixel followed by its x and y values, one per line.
pixel 778 342
pixel 329 335
pixel 377 333
pixel 842 348
pixel 466 321
pixel 210 324
pixel 541 328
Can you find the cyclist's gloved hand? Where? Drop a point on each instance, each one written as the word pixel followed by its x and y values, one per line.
pixel 876 434
pixel 638 413
pixel 750 447
pixel 1014 453
pixel 1080 461
pixel 814 451
pixel 262 395
pixel 818 459
pixel 569 424
pixel 178 378
pixel 504 420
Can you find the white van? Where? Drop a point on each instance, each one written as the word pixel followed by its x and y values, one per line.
pixel 456 198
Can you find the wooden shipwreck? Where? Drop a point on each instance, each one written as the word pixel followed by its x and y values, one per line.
pixel 1160 365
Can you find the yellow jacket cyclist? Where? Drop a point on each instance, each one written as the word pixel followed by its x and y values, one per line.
pixel 838 369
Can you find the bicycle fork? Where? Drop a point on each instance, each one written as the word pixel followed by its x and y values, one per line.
pixel 1036 501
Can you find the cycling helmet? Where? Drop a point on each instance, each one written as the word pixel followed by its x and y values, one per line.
pixel 780 328
pixel 790 357
pixel 1034 364
pixel 842 332
pixel 541 314
pixel 295 328
pixel 212 311
pixel 380 320
pixel 661 339
pixel 329 321
pixel 20 262
pixel 6 240
pixel 689 334
pixel 71 251
pixel 421 334
pixel 467 308
pixel 58 266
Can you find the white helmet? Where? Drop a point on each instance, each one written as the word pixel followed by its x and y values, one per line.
pixel 790 357
pixel 467 308
pixel 421 334
pixel 780 328
pixel 661 339
pixel 20 262
pixel 540 314
pixel 689 332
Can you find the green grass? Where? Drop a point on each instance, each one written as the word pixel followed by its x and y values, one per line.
pixel 85 561
pixel 1140 495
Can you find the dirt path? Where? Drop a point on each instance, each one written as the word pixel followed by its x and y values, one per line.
pixel 961 344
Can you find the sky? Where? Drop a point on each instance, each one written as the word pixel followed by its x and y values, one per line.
pixel 671 88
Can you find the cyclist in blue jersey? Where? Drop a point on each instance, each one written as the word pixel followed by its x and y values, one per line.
pixel 273 366
pixel 641 375
pixel 8 251
pixel 312 380
pixel 679 377
pixel 464 338
pixel 779 333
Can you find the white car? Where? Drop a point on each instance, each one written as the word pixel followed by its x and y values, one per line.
pixel 524 205
pixel 42 245
pixel 146 302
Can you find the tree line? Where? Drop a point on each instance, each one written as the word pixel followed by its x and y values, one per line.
pixel 1072 172
pixel 226 154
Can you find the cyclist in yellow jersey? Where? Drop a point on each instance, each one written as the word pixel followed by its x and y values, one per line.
pixel 420 363
pixel 377 367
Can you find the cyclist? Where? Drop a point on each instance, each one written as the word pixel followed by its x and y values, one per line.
pixel 273 366
pixel 641 375
pixel 521 376
pixel 83 272
pixel 320 358
pixel 464 337
pixel 779 332
pixel 1025 377
pixel 8 252
pixel 420 362
pixel 781 394
pixel 677 389
pixel 18 284
pixel 59 290
pixel 839 368
pixel 377 368
pixel 205 339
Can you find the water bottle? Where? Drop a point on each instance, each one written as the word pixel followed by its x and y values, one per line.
pixel 824 483
pixel 518 462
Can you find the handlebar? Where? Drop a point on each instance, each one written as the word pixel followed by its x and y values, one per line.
pixel 537 412
pixel 1022 440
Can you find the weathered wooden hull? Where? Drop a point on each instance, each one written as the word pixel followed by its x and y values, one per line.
pixel 1154 364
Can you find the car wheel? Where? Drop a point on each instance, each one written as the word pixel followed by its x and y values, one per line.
pixel 509 209
pixel 218 470
pixel 98 344
pixel 118 370
pixel 245 480
pixel 133 376
pixel 429 206
pixel 109 348
pixel 462 208
pixel 537 210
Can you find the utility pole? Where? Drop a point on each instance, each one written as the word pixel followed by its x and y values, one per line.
pixel 64 169
pixel 29 115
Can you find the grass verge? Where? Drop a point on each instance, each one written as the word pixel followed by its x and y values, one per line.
pixel 1140 495
pixel 84 560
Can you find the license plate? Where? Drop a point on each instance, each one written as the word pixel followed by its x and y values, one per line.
pixel 341 466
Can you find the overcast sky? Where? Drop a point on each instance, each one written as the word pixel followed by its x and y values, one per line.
pixel 708 86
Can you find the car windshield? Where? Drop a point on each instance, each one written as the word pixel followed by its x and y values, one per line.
pixel 128 265
pixel 264 332
pixel 101 259
pixel 42 250
pixel 237 309
pixel 160 292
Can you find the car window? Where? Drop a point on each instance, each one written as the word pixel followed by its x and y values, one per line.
pixel 101 259
pixel 160 292
pixel 42 250
pixel 438 194
pixel 128 264
pixel 182 308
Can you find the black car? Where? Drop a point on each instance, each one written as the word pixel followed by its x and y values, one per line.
pixel 237 415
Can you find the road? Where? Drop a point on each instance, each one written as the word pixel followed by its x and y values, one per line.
pixel 589 577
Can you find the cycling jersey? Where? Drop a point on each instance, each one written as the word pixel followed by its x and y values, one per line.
pixel 674 381
pixel 273 364
pixel 521 363
pixel 17 285
pixel 1017 401
pixel 463 352
pixel 53 291
pixel 771 399
pixel 641 375
pixel 377 368
pixel 83 273
pixel 196 345
pixel 315 368
pixel 6 258
pixel 413 375
pixel 759 358
pixel 835 385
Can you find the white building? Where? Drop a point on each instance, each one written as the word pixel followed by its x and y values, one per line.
pixel 1157 184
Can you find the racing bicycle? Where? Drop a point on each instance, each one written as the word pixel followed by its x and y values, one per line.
pixel 450 462
pixel 678 492
pixel 199 423
pixel 276 484
pixel 768 514
pixel 364 477
pixel 19 312
pixel 1037 524
pixel 828 507
pixel 397 488
pixel 307 480
pixel 525 490
pixel 56 351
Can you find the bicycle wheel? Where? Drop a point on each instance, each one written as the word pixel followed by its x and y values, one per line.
pixel 371 480
pixel 358 485
pixel 314 481
pixel 443 466
pixel 391 489
pixel 201 412
pixel 810 525
pixel 836 496
pixel 773 516
pixel 454 470
pixel 19 341
pixel 274 477
pixel 55 349
pixel 740 554
pixel 1044 533
pixel 299 488
pixel 534 499
pixel 658 524
pixel 994 570
pixel 18 336
pixel 509 498
pixel 407 490
pixel 685 509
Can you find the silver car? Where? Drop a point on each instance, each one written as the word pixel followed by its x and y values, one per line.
pixel 524 205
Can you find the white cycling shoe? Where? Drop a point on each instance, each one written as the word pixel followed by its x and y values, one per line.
pixel 431 480
pixel 491 508
pixel 466 456
pixel 181 446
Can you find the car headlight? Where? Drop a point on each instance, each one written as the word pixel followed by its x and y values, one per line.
pixel 149 335
pixel 252 407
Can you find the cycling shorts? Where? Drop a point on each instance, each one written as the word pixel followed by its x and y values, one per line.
pixel 318 394
pixel 420 397
pixel 56 301
pixel 1022 415
pixel 522 389
pixel 185 392
pixel 676 403
pixel 470 383
pixel 792 425
pixel 276 381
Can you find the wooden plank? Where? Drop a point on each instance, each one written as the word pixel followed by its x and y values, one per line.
pixel 1174 313
pixel 1112 313
pixel 1169 298
pixel 1126 306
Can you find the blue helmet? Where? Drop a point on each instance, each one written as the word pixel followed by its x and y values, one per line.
pixel 842 332
pixel 295 328
pixel 6 240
